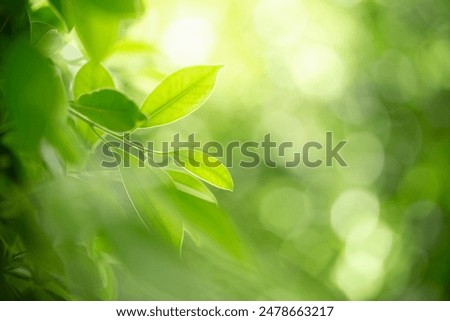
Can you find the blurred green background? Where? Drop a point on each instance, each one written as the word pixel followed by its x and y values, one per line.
pixel 376 73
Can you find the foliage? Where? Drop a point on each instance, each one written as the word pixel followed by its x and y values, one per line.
pixel 374 73
pixel 50 251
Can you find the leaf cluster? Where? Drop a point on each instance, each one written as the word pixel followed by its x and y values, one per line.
pixel 52 120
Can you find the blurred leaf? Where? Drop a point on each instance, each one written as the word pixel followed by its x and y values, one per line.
pixel 189 184
pixel 85 132
pixel 149 191
pixel 34 96
pixel 210 224
pixel 45 38
pixel 98 31
pixel 38 30
pixel 66 142
pixel 64 8
pixel 110 109
pixel 167 211
pixel 204 167
pixel 133 47
pixel 14 19
pixel 123 8
pixel 47 15
pixel 91 76
pixel 179 95
pixel 81 271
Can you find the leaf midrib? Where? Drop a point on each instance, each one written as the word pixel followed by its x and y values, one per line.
pixel 183 93
pixel 81 106
pixel 219 174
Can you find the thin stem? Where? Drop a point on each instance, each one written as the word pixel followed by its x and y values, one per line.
pixel 91 123
pixel 94 127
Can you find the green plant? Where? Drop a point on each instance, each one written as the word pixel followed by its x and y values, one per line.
pixel 56 242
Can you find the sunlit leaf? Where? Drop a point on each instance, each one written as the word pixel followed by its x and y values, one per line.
pixel 110 109
pixel 179 95
pixel 91 76
pixel 125 8
pixel 189 184
pixel 204 167
pixel 134 47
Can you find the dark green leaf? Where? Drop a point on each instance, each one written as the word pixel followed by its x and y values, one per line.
pixel 47 15
pixel 45 38
pixel 38 30
pixel 34 96
pixel 110 109
pixel 64 8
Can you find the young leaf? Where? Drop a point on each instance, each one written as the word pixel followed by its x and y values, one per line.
pixel 204 167
pixel 110 109
pixel 92 76
pixel 179 95
pixel 187 183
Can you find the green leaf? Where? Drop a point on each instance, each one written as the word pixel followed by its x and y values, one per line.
pixel 148 192
pixel 47 15
pixel 45 38
pixel 187 183
pixel 204 167
pixel 34 96
pixel 97 31
pixel 179 95
pixel 210 224
pixel 92 76
pixel 64 8
pixel 110 109
pixel 66 141
pixel 122 8
pixel 38 30
pixel 127 47
pixel 167 211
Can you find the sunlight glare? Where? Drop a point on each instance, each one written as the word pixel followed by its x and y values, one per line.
pixel 188 41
